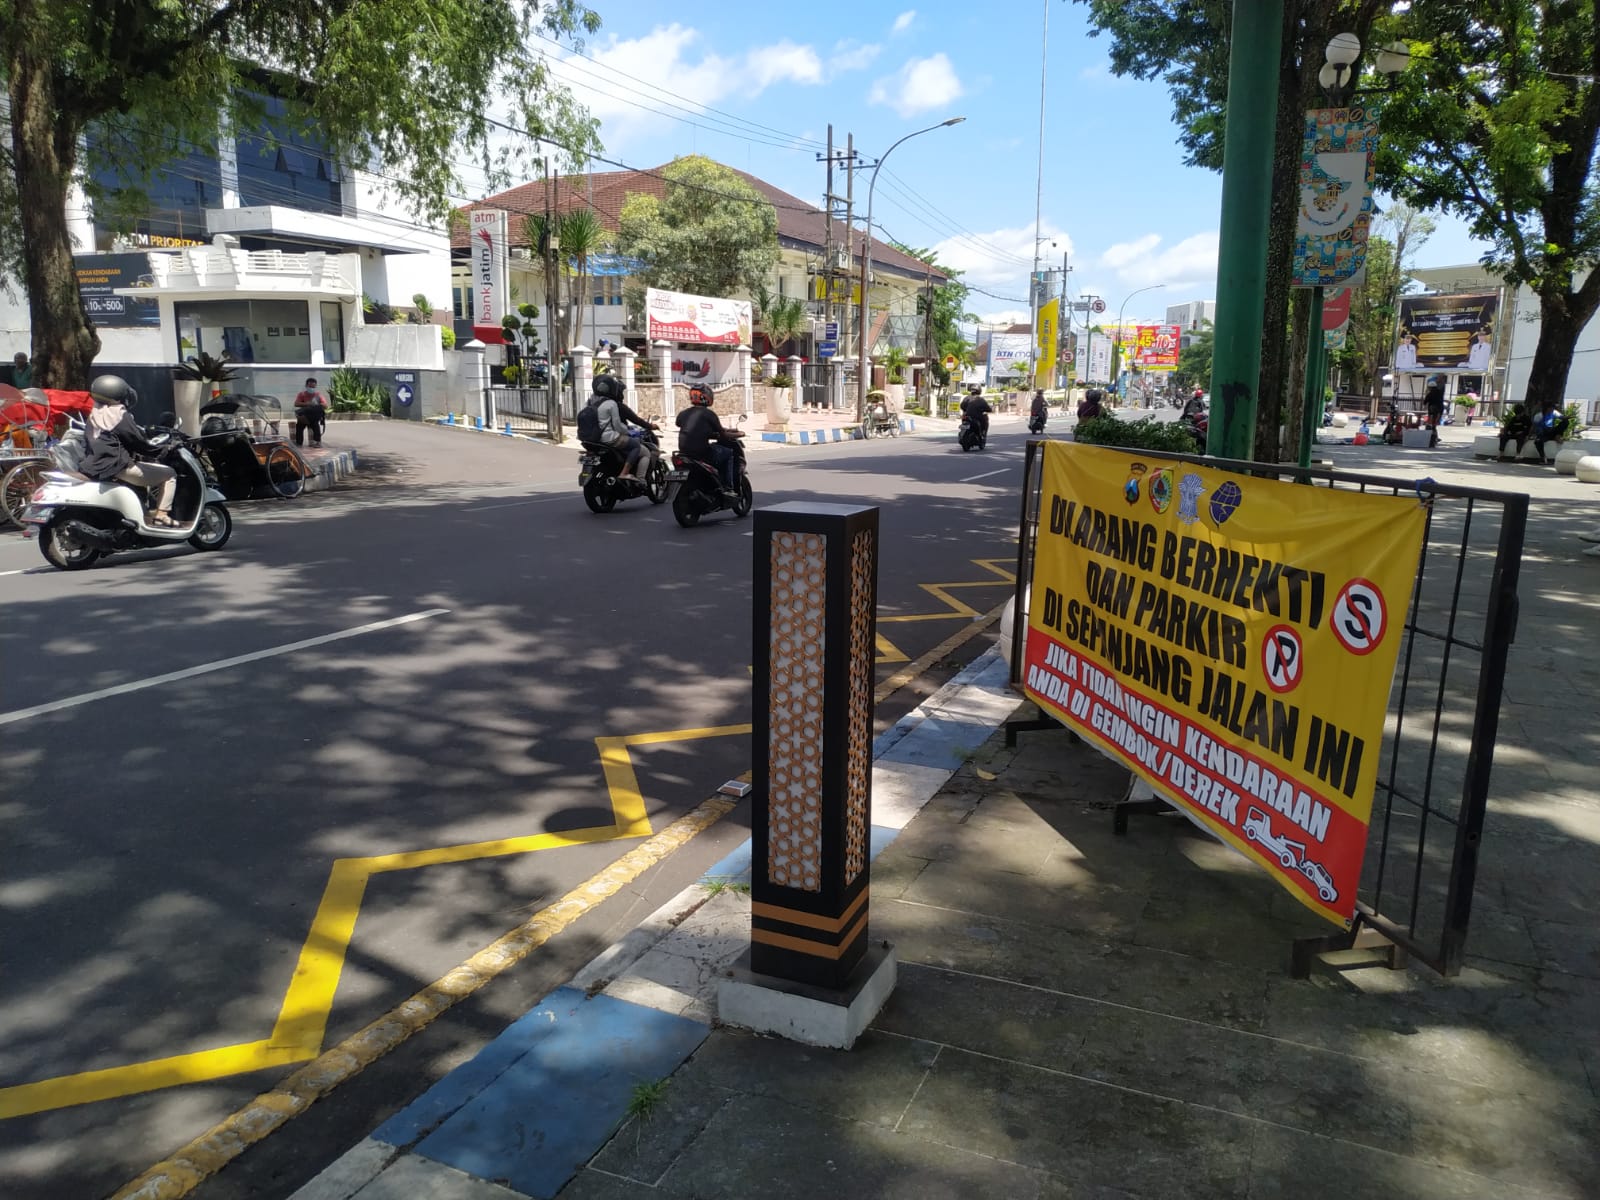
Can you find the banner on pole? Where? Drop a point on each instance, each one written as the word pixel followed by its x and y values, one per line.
pixel 1336 175
pixel 1447 334
pixel 1049 325
pixel 490 283
pixel 1335 318
pixel 1230 640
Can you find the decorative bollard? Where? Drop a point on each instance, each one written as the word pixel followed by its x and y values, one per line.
pixel 450 418
pixel 508 429
pixel 811 973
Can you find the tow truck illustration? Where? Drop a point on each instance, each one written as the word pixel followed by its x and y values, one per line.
pixel 1292 854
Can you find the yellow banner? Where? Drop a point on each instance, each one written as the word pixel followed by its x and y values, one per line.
pixel 1232 641
pixel 1045 352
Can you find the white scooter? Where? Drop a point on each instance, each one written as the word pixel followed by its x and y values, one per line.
pixel 79 519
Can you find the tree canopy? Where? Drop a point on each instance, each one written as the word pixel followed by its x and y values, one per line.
pixel 155 80
pixel 710 234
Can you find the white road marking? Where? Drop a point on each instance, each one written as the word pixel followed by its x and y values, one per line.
pixel 139 685
pixel 985 475
pixel 515 503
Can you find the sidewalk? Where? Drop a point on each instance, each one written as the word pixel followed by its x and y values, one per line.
pixel 1077 1014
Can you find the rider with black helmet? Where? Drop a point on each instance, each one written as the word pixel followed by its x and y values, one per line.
pixel 115 439
pixel 974 405
pixel 702 437
pixel 615 417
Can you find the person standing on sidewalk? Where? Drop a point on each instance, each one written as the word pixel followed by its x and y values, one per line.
pixel 310 412
pixel 1433 400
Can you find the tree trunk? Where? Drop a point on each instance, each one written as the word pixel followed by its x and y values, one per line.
pixel 1299 350
pixel 44 143
pixel 1560 324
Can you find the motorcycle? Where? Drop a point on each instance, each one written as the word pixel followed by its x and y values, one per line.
pixel 881 422
pixel 971 435
pixel 602 488
pixel 80 520
pixel 1037 420
pixel 1195 425
pixel 696 489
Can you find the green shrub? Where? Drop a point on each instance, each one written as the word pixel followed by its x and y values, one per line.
pixel 448 337
pixel 781 381
pixel 1145 434
pixel 351 391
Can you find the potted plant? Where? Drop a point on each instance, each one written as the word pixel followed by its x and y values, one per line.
pixel 780 399
pixel 196 380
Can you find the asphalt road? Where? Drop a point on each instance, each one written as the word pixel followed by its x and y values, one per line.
pixel 166 849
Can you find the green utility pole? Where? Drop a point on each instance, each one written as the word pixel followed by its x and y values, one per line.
pixel 1316 379
pixel 1246 202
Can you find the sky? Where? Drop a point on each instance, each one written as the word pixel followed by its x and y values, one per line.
pixel 758 93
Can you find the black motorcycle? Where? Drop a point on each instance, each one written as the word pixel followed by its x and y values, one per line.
pixel 1036 422
pixel 696 489
pixel 598 474
pixel 972 434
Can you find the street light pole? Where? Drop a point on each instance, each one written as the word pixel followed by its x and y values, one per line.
pixel 1116 358
pixel 866 271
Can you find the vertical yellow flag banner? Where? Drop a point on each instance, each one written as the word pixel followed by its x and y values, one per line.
pixel 1045 352
pixel 1232 641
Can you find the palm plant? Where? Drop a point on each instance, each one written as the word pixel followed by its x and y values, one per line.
pixel 581 235
pixel 895 363
pixel 205 368
pixel 784 318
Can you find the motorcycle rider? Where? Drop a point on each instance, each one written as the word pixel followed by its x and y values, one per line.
pixel 702 438
pixel 974 406
pixel 1196 406
pixel 1039 413
pixel 615 416
pixel 114 439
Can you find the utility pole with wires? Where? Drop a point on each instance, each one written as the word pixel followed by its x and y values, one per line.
pixel 553 327
pixel 837 212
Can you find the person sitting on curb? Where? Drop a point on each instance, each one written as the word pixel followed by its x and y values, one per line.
pixel 1549 425
pixel 1516 426
pixel 310 412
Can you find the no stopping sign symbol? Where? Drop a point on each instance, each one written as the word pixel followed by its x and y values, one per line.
pixel 1359 617
pixel 1281 659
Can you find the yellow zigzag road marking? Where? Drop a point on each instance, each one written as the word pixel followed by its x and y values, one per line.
pixel 303 1017
pixel 1005 573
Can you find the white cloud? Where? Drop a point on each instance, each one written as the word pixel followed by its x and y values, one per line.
pixel 1001 258
pixel 670 68
pixel 852 56
pixel 903 21
pixel 1005 316
pixel 1183 266
pixel 785 61
pixel 921 84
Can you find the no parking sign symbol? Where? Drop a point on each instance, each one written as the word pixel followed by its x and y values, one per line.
pixel 1359 617
pixel 1281 658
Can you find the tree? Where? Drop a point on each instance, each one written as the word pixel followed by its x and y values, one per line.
pixel 944 307
pixel 1194 360
pixel 1497 119
pixel 711 234
pixel 581 235
pixel 783 318
pixel 152 79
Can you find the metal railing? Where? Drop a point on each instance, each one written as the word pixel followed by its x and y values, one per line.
pixel 1437 757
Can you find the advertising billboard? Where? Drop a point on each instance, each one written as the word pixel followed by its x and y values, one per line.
pixel 1447 334
pixel 1231 641
pixel 1336 174
pixel 702 320
pixel 1007 353
pixel 100 275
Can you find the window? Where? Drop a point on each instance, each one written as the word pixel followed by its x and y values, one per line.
pixel 248 331
pixel 332 332
pixel 286 163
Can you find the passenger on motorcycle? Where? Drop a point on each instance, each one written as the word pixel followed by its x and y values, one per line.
pixel 114 439
pixel 615 416
pixel 975 406
pixel 702 437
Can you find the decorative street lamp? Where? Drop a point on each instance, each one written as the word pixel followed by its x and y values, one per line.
pixel 866 271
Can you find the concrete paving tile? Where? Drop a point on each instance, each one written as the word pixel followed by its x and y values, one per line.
pixel 597 1185
pixel 893 872
pixel 1544 1141
pixel 1572 948
pixel 987 1016
pixel 1065 897
pixel 411 1176
pixel 1086 1133
pixel 937 936
pixel 1289 1162
pixel 642 1149
pixel 870 1084
pixel 1155 980
pixel 764 1147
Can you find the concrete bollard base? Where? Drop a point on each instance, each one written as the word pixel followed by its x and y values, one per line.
pixel 802 1013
